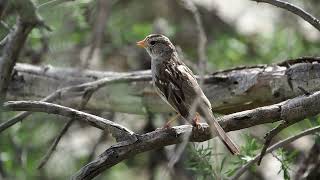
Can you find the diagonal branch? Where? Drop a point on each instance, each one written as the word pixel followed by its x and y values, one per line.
pixel 97 33
pixel 53 146
pixel 85 98
pixel 120 132
pixel 19 117
pixel 202 37
pixel 290 110
pixel 295 10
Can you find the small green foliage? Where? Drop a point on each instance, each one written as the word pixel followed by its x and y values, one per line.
pixel 249 149
pixel 200 161
pixel 286 159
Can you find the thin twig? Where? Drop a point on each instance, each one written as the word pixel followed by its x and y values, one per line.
pixel 85 98
pixel 53 146
pixel 6 26
pixel 19 117
pixel 52 3
pixel 295 10
pixel 274 147
pixel 202 38
pixel 94 148
pixel 269 136
pixel 98 31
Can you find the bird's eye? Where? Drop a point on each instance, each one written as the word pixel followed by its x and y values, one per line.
pixel 152 42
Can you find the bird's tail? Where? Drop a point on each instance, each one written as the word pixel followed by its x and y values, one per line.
pixel 215 127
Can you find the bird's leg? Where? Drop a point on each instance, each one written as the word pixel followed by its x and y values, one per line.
pixel 175 117
pixel 196 121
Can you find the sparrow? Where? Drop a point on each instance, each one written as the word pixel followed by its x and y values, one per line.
pixel 176 84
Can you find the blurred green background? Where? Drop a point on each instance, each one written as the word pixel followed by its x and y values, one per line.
pixel 245 33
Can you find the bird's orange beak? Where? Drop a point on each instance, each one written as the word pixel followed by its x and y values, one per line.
pixel 141 44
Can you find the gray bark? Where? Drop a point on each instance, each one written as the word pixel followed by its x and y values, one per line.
pixel 290 110
pixel 229 91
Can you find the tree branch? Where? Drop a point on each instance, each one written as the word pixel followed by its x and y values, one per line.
pixel 27 20
pixel 23 115
pixel 118 131
pixel 97 35
pixel 52 3
pixel 202 37
pixel 84 90
pixel 230 91
pixel 295 10
pixel 290 110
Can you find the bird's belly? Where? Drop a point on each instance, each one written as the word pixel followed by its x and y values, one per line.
pixel 162 96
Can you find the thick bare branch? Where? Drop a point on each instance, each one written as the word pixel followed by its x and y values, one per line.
pixel 295 10
pixel 229 91
pixel 119 132
pixel 290 110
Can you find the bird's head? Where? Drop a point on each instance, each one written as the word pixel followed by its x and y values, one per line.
pixel 157 45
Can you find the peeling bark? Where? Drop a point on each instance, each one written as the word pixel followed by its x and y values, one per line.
pixel 229 91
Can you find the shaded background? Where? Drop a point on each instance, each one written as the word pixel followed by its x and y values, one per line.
pixel 101 35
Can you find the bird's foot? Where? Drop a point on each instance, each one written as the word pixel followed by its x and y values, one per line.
pixel 166 126
pixel 196 122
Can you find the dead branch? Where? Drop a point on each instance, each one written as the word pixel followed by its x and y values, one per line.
pixel 120 132
pixel 85 91
pixel 97 33
pixel 290 110
pixel 52 3
pixel 229 91
pixel 202 37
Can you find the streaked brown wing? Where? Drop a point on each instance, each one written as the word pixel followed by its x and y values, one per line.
pixel 179 87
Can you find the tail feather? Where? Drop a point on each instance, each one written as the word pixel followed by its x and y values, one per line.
pixel 215 127
pixel 231 146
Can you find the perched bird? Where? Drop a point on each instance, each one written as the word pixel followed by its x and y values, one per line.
pixel 176 84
